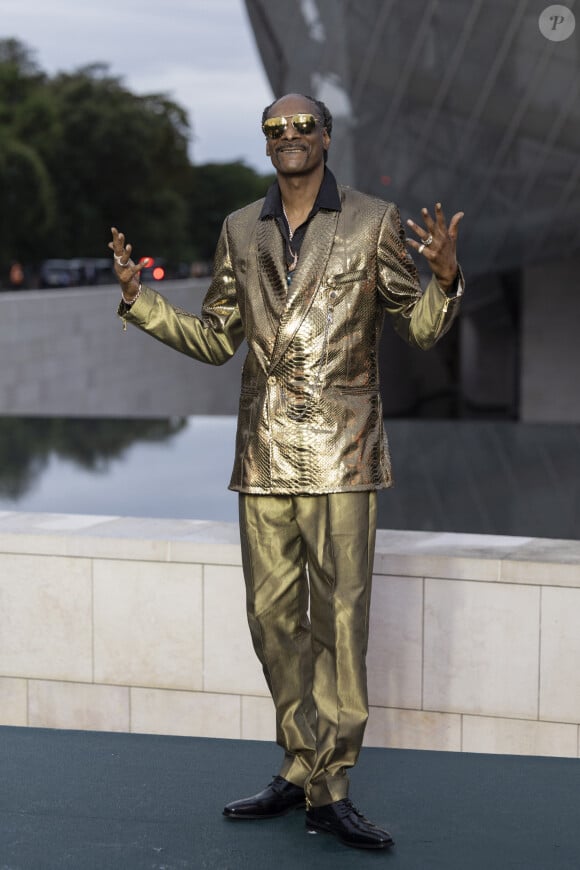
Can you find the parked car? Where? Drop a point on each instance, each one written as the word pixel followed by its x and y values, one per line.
pixel 77 272
pixel 56 273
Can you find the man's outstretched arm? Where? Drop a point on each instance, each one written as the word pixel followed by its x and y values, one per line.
pixel 421 318
pixel 212 338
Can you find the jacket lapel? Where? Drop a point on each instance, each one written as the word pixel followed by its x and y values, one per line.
pixel 306 278
pixel 272 271
pixel 267 273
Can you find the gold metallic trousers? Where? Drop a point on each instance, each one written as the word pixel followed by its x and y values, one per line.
pixel 308 568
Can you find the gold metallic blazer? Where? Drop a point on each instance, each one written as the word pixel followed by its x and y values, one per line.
pixel 310 415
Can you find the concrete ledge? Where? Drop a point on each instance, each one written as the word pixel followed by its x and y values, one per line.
pixel 123 624
pixel 48 370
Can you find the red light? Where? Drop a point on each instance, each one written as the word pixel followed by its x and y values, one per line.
pixel 159 273
pixel 147 261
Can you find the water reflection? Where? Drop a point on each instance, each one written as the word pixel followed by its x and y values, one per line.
pixel 484 477
pixel 166 468
pixel 26 445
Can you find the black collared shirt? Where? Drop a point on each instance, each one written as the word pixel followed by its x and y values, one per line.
pixel 327 197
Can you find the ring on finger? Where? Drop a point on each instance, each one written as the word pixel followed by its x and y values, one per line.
pixel 119 260
pixel 421 248
pixel 427 241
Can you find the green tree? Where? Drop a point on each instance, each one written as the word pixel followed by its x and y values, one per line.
pixel 122 159
pixel 28 209
pixel 216 190
pixel 79 152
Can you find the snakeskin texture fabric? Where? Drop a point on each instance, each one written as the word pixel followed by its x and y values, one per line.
pixel 310 415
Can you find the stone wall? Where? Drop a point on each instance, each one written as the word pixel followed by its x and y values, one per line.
pixel 64 353
pixel 138 625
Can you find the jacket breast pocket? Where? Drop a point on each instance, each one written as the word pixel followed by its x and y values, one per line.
pixel 348 277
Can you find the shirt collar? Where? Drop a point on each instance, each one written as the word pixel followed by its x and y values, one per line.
pixel 327 197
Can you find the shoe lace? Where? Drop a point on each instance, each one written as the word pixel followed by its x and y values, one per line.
pixel 346 807
pixel 279 784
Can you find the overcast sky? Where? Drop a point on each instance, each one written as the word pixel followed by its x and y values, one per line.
pixel 200 52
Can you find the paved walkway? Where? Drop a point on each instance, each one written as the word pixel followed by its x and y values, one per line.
pixel 102 801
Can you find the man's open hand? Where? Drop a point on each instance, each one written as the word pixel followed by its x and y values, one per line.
pixel 438 244
pixel 125 269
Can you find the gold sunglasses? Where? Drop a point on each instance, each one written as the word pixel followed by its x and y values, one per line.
pixel 303 124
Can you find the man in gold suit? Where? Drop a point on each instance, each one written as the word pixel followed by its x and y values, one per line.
pixel 306 276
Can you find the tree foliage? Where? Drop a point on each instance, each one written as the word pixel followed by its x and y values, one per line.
pixel 79 152
pixel 218 189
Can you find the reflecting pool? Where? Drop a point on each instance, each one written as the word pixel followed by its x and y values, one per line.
pixel 156 468
pixel 484 477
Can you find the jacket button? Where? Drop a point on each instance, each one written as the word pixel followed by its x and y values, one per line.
pixel 272 379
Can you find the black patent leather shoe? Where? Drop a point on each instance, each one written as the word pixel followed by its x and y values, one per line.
pixel 279 798
pixel 342 819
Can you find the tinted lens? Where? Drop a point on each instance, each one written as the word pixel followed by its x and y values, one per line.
pixel 304 123
pixel 274 127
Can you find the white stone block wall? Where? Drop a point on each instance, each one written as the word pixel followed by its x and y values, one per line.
pixel 110 623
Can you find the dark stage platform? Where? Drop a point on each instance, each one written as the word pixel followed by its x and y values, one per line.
pixel 72 800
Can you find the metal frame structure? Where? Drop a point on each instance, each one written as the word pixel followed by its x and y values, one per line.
pixel 467 103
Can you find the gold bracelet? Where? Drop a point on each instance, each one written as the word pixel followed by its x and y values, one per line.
pixel 131 301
